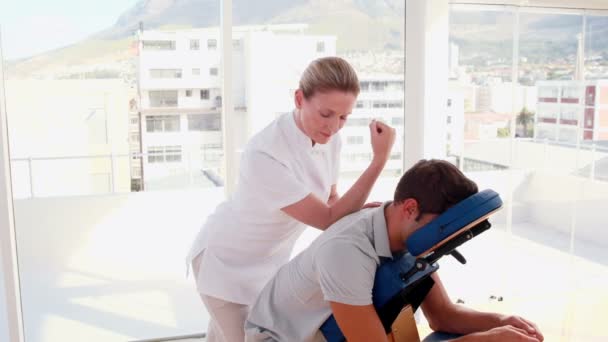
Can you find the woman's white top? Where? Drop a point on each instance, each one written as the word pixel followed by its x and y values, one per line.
pixel 248 237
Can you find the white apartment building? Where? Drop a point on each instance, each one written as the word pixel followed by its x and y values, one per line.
pixel 180 91
pixel 571 111
pixel 381 98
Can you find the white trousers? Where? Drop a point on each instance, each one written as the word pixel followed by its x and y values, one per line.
pixel 226 319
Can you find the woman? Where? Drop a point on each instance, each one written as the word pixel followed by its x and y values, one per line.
pixel 287 181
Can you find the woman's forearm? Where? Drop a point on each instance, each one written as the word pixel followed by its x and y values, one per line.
pixel 356 196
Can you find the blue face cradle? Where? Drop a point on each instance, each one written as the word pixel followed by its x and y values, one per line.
pixel 406 280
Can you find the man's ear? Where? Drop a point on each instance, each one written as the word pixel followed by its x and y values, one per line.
pixel 298 98
pixel 410 208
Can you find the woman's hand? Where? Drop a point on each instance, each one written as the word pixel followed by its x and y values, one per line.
pixel 371 205
pixel 383 138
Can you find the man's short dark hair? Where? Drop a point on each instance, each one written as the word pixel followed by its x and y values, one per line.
pixel 435 184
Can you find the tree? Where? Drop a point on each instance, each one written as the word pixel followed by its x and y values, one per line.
pixel 525 118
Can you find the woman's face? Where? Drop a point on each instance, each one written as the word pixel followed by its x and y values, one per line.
pixel 323 114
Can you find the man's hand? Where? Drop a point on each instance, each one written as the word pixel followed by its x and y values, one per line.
pixel 507 333
pixel 524 324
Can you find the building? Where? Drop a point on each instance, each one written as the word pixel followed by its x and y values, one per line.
pixel 180 94
pixel 69 137
pixel 571 111
pixel 382 98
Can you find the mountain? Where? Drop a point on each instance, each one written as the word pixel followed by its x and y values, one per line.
pixel 376 25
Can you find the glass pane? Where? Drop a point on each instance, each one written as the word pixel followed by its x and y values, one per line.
pixel 97 110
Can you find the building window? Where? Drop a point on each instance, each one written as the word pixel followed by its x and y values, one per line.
pixel 449 102
pixel 357 122
pixel 569 115
pixel 449 120
pixel 189 93
pixel 134 121
pixel 161 154
pixel 364 86
pixel 173 154
pixel 320 46
pixel 380 104
pixel 236 44
pixel 204 94
pixel 213 71
pixel 163 98
pixel 196 71
pixel 211 44
pixel 134 137
pixel 165 73
pixel 158 45
pixel 156 154
pixel 379 85
pixel 204 122
pixel 395 104
pixel 547 93
pixel 162 123
pixel 195 44
pixel 360 104
pixel 571 93
pixel 397 121
pixel 354 140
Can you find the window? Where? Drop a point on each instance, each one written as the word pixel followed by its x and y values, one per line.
pixel 569 115
pixel 320 46
pixel 547 111
pixel 188 93
pixel 173 154
pixel 379 85
pixel 204 122
pixel 134 121
pixel 213 71
pixel 196 71
pixel 211 44
pixel 134 137
pixel 395 104
pixel 162 123
pixel 567 135
pixel 204 94
pixel 548 93
pixel 158 45
pixel 156 154
pixel 354 140
pixel 572 93
pixel 236 44
pixel 162 154
pixel 380 104
pixel 360 104
pixel 163 98
pixel 194 44
pixel 165 73
pixel 364 86
pixel 358 122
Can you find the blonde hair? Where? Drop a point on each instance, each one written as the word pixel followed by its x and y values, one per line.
pixel 329 73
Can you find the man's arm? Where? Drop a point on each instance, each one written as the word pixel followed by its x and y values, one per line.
pixel 358 322
pixel 443 315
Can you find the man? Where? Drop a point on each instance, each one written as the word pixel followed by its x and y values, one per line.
pixel 335 274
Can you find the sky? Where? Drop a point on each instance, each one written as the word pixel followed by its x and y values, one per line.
pixel 29 27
